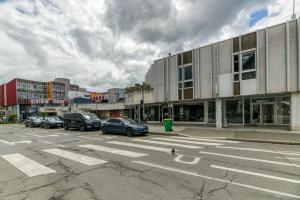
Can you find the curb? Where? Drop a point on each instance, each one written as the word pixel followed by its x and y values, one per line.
pixel 234 139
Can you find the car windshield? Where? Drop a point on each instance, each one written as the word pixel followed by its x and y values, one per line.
pixel 130 121
pixel 50 119
pixel 90 116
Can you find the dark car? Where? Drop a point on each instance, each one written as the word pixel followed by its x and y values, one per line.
pixel 82 121
pixel 33 122
pixel 124 126
pixel 52 122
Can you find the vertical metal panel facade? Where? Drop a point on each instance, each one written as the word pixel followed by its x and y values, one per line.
pixel 11 93
pixel 205 72
pixel 261 42
pixel 276 59
pixel 1 95
pixel 214 53
pixel 159 80
pixel 173 70
pixel 292 58
pixel 196 73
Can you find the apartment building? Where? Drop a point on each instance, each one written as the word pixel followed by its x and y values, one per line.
pixel 251 79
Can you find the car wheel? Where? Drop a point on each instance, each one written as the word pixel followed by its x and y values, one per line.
pixel 66 127
pixel 82 128
pixel 129 132
pixel 103 130
pixel 47 126
pixel 26 125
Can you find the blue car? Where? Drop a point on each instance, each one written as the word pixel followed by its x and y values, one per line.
pixel 124 126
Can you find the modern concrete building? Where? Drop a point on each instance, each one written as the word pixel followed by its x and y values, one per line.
pixel 245 80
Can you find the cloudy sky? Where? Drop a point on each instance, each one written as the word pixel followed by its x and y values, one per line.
pixel 101 44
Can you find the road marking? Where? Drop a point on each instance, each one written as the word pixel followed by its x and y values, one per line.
pixel 141 146
pixel 19 142
pixel 256 174
pixel 203 139
pixel 26 165
pixel 48 142
pixel 252 159
pixel 90 138
pixel 168 144
pixel 41 135
pixel 187 141
pixel 260 150
pixel 288 158
pixel 114 151
pixel 75 157
pixel 193 162
pixel 192 173
pixel 20 135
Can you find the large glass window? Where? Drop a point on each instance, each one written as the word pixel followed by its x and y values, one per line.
pixel 180 74
pixel 189 113
pixel 248 60
pixel 234 111
pixel 211 112
pixel 248 41
pixel 236 45
pixel 188 93
pixel 188 72
pixel 187 57
pixel 236 63
pixel 152 113
pixel 283 110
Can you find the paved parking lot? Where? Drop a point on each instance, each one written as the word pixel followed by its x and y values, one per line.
pixel 56 164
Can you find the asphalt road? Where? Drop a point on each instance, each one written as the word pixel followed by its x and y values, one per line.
pixel 55 164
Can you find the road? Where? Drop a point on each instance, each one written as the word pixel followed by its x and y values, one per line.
pixel 56 164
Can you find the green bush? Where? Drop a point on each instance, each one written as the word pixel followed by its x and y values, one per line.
pixel 11 118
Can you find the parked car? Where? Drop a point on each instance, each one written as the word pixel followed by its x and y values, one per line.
pixel 52 122
pixel 82 121
pixel 124 126
pixel 33 122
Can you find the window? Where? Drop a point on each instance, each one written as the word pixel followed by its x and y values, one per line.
pixel 236 45
pixel 234 111
pixel 236 77
pixel 180 94
pixel 191 113
pixel 211 111
pixel 188 84
pixel 179 60
pixel 283 110
pixel 188 93
pixel 188 72
pixel 236 63
pixel 249 75
pixel 180 74
pixel 248 60
pixel 248 41
pixel 152 113
pixel 187 57
pixel 236 88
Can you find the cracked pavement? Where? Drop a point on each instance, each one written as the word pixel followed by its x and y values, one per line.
pixel 154 176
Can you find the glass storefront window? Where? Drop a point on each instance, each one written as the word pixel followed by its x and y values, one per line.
pixel 234 111
pixel 189 113
pixel 247 111
pixel 283 110
pixel 211 111
pixel 152 113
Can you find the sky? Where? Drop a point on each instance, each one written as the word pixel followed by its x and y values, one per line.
pixel 100 44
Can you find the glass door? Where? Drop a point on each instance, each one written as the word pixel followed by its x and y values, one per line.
pixel 268 113
pixel 256 113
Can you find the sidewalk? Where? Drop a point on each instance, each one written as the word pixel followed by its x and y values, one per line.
pixel 275 136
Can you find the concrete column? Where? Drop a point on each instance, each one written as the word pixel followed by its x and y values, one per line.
pixel 219 111
pixel 18 112
pixel 295 111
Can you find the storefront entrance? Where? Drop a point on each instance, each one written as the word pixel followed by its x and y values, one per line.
pixel 263 113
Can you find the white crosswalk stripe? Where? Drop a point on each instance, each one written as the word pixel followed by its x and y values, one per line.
pixel 168 144
pixel 187 141
pixel 27 166
pixel 204 139
pixel 141 146
pixel 87 160
pixel 114 151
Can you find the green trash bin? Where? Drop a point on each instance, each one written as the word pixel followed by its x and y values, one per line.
pixel 168 125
